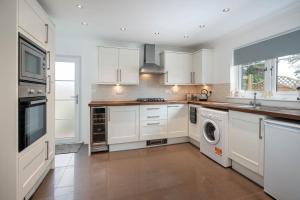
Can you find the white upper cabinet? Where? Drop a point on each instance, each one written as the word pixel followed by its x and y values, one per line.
pixel 118 66
pixel 186 68
pixel 203 66
pixel 32 22
pixel 177 67
pixel 246 140
pixel 108 70
pixel 129 66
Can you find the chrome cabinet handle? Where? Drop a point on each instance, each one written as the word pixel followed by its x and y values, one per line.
pixel 47 33
pixel 194 77
pixel 153 108
pixel 260 132
pixel 117 75
pixel 47 150
pixel 120 75
pixel 153 117
pixel 108 114
pixel 153 124
pixel 167 76
pixel 49 84
pixel 173 106
pixel 191 77
pixel 49 60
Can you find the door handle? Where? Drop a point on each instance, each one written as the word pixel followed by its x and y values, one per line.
pixel 76 97
pixel 260 132
pixel 153 124
pixel 47 33
pixel 49 84
pixel 194 77
pixel 47 150
pixel 120 75
pixel 167 76
pixel 191 77
pixel 153 117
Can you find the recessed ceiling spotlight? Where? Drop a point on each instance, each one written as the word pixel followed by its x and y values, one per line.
pixel 123 28
pixel 80 6
pixel 202 26
pixel 84 23
pixel 186 37
pixel 156 33
pixel 225 10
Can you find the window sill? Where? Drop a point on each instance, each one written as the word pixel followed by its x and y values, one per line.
pixel 266 99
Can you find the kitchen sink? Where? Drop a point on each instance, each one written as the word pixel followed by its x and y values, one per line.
pixel 249 106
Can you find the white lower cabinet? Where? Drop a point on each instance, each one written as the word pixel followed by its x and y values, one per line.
pixel 177 120
pixel 32 165
pixel 246 140
pixel 123 124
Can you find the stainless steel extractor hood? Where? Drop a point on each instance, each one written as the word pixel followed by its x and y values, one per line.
pixel 149 66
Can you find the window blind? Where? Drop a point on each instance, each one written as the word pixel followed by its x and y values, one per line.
pixel 282 45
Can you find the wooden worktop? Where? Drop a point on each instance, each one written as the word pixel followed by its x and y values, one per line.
pixel 277 112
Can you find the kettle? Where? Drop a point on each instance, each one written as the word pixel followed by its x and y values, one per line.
pixel 203 95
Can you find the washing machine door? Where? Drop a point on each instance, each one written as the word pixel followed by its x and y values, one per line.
pixel 211 132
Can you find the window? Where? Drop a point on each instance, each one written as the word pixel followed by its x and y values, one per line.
pixel 288 73
pixel 252 77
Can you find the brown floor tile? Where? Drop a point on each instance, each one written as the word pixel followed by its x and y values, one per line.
pixel 162 173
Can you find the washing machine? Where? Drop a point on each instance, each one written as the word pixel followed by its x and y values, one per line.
pixel 214 135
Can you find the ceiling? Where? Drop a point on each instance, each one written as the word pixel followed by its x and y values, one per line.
pixel 173 19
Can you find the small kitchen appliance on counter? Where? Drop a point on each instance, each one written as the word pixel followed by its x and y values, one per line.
pixel 204 95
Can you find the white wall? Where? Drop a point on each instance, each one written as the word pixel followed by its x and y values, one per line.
pixel 8 99
pixel 87 50
pixel 286 20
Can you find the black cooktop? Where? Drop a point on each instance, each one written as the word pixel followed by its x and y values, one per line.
pixel 151 100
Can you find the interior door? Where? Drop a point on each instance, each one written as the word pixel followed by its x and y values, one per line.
pixel 129 66
pixel 67 99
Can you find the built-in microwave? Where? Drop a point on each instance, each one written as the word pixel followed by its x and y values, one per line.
pixel 32 62
pixel 32 113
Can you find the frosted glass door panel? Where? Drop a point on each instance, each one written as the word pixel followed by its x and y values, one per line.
pixel 65 100
pixel 64 90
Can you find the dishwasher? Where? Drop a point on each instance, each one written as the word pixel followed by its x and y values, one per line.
pixel 282 159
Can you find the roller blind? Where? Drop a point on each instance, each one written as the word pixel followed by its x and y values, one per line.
pixel 282 45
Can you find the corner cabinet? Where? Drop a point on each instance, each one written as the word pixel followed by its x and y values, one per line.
pixel 183 68
pixel 246 140
pixel 123 124
pixel 118 66
pixel 177 120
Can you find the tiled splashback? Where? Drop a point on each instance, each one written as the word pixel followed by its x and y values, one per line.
pixel 150 86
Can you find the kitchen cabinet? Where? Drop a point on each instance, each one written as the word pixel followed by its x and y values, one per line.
pixel 202 69
pixel 31 20
pixel 178 66
pixel 123 124
pixel 195 129
pixel 246 140
pixel 118 66
pixel 177 120
pixel 153 122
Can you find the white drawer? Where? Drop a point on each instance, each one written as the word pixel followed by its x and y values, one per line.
pixel 153 129
pixel 153 112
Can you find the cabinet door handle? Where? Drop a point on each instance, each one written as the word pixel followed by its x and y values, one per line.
pixel 167 76
pixel 153 108
pixel 120 75
pixel 194 77
pixel 49 84
pixel 117 75
pixel 47 33
pixel 191 77
pixel 260 132
pixel 49 60
pixel 153 124
pixel 108 114
pixel 153 117
pixel 173 106
pixel 47 150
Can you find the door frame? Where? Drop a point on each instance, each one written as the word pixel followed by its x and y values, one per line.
pixel 77 60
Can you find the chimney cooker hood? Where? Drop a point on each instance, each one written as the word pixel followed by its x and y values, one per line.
pixel 150 67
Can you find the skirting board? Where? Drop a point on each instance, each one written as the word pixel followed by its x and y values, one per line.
pixel 142 144
pixel 256 178
pixel 195 143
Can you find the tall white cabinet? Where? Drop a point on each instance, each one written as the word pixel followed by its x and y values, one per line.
pixel 35 161
pixel 118 66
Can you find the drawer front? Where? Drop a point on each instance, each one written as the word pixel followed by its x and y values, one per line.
pixel 32 166
pixel 153 129
pixel 153 112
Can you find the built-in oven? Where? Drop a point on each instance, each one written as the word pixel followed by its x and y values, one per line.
pixel 32 113
pixel 32 62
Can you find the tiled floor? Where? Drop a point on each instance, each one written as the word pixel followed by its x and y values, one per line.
pixel 176 172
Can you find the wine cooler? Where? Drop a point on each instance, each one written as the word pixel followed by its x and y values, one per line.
pixel 98 129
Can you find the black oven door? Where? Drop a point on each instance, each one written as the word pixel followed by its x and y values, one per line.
pixel 32 120
pixel 32 63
